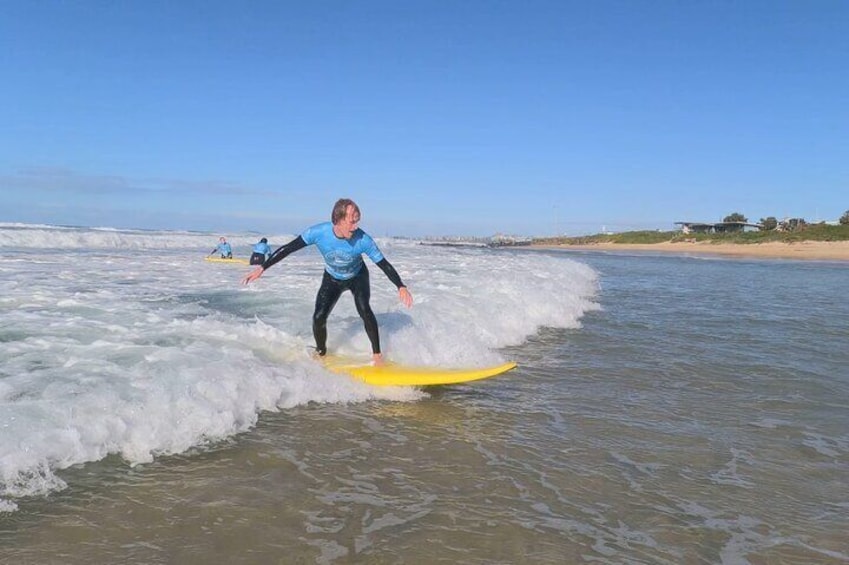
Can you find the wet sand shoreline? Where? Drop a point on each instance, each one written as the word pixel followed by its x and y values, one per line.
pixel 805 250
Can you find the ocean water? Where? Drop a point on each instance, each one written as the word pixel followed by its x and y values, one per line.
pixel 666 409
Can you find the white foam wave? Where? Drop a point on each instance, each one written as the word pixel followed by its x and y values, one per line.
pixel 46 238
pixel 119 354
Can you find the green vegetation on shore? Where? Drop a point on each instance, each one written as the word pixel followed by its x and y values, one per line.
pixel 811 232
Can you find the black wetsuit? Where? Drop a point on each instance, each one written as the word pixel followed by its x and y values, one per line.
pixel 330 291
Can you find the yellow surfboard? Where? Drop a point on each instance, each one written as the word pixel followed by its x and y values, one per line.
pixel 393 374
pixel 236 260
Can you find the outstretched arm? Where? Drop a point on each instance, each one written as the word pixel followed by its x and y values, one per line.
pixel 278 255
pixel 403 294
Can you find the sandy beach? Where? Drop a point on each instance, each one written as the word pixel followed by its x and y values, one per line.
pixel 811 250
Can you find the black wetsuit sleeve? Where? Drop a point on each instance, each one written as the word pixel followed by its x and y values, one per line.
pixel 284 251
pixel 390 271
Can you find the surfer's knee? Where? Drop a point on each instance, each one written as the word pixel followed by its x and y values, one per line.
pixel 319 318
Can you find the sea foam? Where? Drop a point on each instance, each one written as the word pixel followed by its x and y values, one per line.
pixel 128 343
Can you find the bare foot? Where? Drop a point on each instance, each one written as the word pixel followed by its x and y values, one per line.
pixel 377 360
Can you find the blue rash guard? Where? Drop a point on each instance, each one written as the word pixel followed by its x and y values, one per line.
pixel 344 270
pixel 262 249
pixel 342 257
pixel 261 252
pixel 224 249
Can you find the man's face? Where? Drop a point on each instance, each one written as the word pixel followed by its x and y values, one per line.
pixel 349 224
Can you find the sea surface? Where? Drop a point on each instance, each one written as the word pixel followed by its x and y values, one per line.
pixel 666 409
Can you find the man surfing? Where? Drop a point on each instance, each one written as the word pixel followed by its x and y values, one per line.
pixel 261 252
pixel 342 244
pixel 223 248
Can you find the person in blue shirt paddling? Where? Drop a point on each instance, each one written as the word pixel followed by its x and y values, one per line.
pixel 261 252
pixel 342 244
pixel 223 248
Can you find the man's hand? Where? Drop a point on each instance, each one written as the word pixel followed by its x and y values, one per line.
pixel 253 275
pixel 405 296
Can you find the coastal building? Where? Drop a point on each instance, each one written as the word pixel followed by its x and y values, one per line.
pixel 717 227
pixel 791 224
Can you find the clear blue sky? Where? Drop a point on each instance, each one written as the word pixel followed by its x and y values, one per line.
pixel 438 117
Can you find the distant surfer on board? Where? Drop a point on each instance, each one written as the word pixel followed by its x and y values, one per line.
pixel 261 252
pixel 223 248
pixel 342 244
